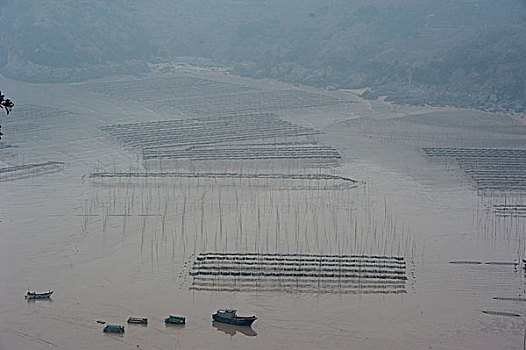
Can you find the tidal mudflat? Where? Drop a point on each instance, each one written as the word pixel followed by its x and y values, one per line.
pixel 339 222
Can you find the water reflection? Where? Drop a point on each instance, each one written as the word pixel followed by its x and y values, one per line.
pixel 112 334
pixel 174 325
pixel 232 330
pixel 48 300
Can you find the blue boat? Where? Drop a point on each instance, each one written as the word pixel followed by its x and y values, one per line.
pixel 230 316
pixel 175 320
pixel 113 328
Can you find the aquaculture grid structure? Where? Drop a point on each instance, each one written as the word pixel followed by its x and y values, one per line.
pixel 196 96
pixel 490 168
pixel 237 137
pixel 273 176
pixel 510 210
pixel 19 171
pixel 299 273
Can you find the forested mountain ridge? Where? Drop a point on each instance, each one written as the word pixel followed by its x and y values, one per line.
pixel 70 40
pixel 467 53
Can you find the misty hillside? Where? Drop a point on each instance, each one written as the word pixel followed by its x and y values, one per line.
pixel 464 52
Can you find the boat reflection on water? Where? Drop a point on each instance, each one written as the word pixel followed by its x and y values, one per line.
pixel 232 329
pixel 46 300
pixel 112 334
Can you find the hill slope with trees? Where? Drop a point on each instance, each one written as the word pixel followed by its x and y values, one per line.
pixel 466 52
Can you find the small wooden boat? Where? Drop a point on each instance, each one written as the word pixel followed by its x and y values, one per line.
pixel 138 320
pixel 175 320
pixel 230 316
pixel 113 328
pixel 38 295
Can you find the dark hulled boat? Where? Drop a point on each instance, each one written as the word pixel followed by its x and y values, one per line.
pixel 36 295
pixel 112 328
pixel 138 320
pixel 230 316
pixel 175 320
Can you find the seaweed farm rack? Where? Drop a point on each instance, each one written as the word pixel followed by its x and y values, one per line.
pixel 346 274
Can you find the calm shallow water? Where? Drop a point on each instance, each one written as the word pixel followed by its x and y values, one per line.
pixel 66 232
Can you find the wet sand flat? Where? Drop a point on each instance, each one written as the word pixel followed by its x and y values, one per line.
pixel 119 245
